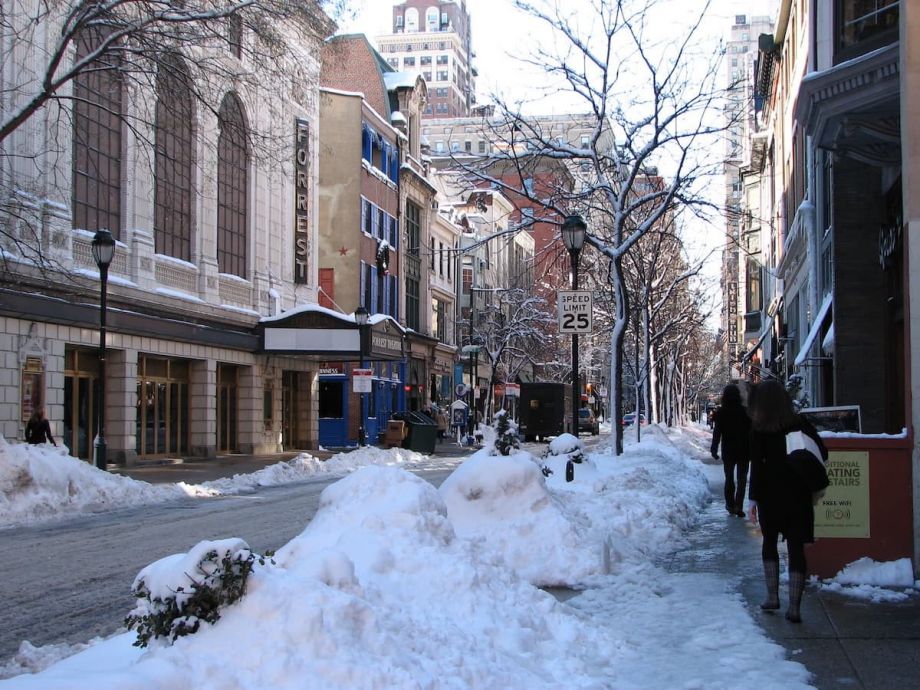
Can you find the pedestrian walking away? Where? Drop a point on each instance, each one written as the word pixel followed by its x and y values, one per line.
pixel 38 429
pixel 780 500
pixel 731 429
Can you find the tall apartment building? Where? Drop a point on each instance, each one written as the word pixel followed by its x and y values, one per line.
pixel 742 272
pixel 433 38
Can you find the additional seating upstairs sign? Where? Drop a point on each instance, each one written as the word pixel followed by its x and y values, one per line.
pixel 576 308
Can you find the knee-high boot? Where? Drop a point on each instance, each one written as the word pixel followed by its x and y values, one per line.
pixel 771 578
pixel 796 588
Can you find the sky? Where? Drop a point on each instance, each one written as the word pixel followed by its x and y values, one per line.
pixel 397 584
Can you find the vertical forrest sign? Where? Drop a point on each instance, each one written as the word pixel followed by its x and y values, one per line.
pixel 301 200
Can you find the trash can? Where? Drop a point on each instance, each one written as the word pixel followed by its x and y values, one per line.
pixel 423 432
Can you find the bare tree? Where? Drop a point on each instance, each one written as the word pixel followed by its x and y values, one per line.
pixel 649 104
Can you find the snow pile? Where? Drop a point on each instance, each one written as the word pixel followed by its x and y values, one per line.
pixel 377 592
pixel 873 581
pixel 502 504
pixel 42 482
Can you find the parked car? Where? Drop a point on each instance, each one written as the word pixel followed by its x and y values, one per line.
pixel 587 421
pixel 630 418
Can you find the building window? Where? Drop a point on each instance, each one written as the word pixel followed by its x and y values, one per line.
pixel 468 146
pixel 439 320
pixel 174 146
pixel 426 75
pixel 431 253
pixel 442 75
pixel 413 218
pixel 431 19
pixel 441 259
pixel 235 35
pixel 97 125
pixel 424 60
pixel 409 62
pixel 863 25
pixel 467 286
pixel 411 19
pixel 232 186
pixel 412 303
pixel 482 146
pixel 443 60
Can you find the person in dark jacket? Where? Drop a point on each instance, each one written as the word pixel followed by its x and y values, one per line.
pixel 38 430
pixel 731 428
pixel 780 501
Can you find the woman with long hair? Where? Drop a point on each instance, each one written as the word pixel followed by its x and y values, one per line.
pixel 779 499
pixel 731 428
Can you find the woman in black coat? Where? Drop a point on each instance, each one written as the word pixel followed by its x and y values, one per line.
pixel 779 499
pixel 731 428
pixel 38 430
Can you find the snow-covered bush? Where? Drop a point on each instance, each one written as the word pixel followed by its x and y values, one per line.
pixel 505 434
pixel 178 592
pixel 567 444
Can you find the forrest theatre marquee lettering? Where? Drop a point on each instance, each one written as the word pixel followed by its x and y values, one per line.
pixel 301 200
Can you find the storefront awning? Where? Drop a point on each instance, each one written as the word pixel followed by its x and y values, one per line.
pixel 763 334
pixel 813 332
pixel 321 334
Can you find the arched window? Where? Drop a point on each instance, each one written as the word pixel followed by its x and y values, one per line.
pixel 232 186
pixel 175 146
pixel 411 19
pixel 97 123
pixel 431 18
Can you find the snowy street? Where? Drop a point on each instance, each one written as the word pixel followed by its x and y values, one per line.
pixel 397 584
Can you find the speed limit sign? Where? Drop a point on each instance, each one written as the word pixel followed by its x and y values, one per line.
pixel 575 311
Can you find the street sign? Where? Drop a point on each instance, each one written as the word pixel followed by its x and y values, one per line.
pixel 513 390
pixel 575 310
pixel 603 391
pixel 361 380
pixel 461 389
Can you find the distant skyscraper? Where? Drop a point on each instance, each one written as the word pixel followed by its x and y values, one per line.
pixel 433 37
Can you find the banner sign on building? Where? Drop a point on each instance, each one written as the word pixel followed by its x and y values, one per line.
pixel 844 509
pixel 301 200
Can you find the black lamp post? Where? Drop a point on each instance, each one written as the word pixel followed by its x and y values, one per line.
pixel 103 252
pixel 361 318
pixel 574 231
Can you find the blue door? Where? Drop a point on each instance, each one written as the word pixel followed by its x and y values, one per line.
pixel 333 412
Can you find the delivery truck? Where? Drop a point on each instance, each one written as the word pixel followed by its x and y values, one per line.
pixel 545 410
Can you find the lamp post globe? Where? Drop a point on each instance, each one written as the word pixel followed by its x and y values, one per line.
pixel 362 316
pixel 103 246
pixel 574 231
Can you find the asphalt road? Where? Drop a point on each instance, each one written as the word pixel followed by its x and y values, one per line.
pixel 69 582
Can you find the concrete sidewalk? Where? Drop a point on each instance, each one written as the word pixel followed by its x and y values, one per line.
pixel 846 643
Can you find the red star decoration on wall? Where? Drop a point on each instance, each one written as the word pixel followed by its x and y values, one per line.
pixel 343 251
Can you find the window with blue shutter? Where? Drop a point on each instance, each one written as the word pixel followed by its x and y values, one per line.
pixel 366 143
pixel 363 214
pixel 382 226
pixel 361 296
pixel 372 308
pixel 394 233
pixel 394 166
pixel 386 295
pixel 375 221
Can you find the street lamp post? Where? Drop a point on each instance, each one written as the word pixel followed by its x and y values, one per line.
pixel 574 231
pixel 103 252
pixel 361 318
